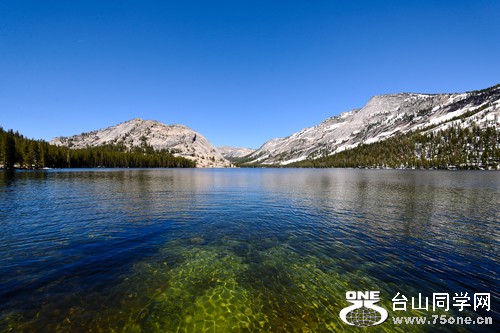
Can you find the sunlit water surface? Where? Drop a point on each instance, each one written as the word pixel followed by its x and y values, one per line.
pixel 246 250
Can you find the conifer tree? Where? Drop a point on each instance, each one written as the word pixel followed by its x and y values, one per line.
pixel 9 150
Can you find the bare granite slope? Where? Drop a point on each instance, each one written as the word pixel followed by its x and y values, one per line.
pixel 235 152
pixel 382 117
pixel 179 139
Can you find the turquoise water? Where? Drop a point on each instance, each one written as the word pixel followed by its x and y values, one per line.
pixel 241 250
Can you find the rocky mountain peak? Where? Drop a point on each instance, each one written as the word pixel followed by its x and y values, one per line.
pixel 178 139
pixel 382 117
pixel 235 153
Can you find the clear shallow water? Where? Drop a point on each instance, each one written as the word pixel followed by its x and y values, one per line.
pixel 247 250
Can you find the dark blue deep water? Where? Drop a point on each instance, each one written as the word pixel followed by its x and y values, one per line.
pixel 242 250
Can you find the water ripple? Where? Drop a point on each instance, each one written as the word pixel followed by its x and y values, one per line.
pixel 238 250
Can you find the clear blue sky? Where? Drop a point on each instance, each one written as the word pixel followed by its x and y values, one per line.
pixel 239 72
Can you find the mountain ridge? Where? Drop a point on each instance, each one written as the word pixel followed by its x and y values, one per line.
pixel 234 153
pixel 382 117
pixel 178 139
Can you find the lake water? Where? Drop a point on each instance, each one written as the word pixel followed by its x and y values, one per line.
pixel 242 250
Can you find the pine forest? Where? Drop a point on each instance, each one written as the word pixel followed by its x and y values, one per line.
pixel 16 151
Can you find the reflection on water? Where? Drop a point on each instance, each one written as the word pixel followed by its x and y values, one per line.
pixel 239 250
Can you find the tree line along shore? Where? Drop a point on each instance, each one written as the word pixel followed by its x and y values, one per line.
pixel 474 147
pixel 17 151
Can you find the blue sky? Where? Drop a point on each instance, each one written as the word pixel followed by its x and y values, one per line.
pixel 239 72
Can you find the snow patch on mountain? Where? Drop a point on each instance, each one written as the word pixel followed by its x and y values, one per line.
pixel 382 117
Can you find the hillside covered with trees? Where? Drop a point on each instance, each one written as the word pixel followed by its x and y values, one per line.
pixel 16 151
pixel 457 147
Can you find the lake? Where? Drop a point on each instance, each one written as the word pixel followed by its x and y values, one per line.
pixel 245 250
